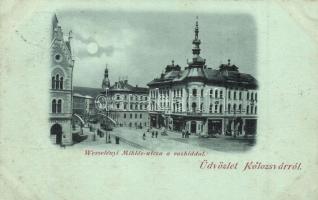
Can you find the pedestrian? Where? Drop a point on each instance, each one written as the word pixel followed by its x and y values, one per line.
pixel 156 134
pixel 144 136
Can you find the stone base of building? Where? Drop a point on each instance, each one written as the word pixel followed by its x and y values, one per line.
pixel 61 131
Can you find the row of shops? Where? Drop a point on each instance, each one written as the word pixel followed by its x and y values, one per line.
pixel 206 126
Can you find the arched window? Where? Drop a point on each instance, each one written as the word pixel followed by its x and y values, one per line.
pixel 59 106
pixel 211 107
pixel 229 108
pixel 216 108
pixel 57 83
pixel 216 94
pixel 194 92
pixel 61 83
pixel 194 107
pixel 54 106
pixel 247 109
pixel 53 82
pixel 221 108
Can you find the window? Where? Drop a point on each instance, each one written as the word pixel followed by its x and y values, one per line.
pixel 131 106
pixel 146 98
pixel 255 99
pixel 140 116
pixel 117 97
pixel 194 107
pixel 240 95
pixel 117 105
pixel 53 82
pixel 240 108
pixel 234 108
pixel 61 83
pixel 221 94
pixel 140 106
pixel 135 116
pixel 234 95
pixel 211 93
pixel 59 106
pixel 229 94
pixel 248 96
pixel 216 108
pixel 201 92
pixel 252 109
pixel 125 106
pixel 252 96
pixel 247 109
pixel 229 108
pixel 57 82
pixel 221 108
pixel 255 110
pixel 54 106
pixel 211 108
pixel 125 115
pixel 216 94
pixel 130 116
pixel 194 92
pixel 136 107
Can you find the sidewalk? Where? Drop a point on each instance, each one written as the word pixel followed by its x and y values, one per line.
pixel 164 143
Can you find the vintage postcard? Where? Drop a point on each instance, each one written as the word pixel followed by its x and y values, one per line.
pixel 148 100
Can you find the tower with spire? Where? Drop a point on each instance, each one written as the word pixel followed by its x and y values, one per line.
pixel 106 82
pixel 197 61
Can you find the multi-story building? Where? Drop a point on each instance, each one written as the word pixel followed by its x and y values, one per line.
pixel 203 100
pixel 83 105
pixel 128 105
pixel 62 64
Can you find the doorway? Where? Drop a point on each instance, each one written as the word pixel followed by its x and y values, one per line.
pixel 56 130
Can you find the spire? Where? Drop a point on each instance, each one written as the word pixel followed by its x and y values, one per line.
pixel 106 72
pixel 196 42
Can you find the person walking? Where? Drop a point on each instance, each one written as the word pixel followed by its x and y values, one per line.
pixel 144 136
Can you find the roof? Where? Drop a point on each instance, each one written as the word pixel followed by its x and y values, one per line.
pixel 226 75
pixel 124 86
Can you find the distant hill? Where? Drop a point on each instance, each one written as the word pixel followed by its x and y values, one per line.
pixel 93 92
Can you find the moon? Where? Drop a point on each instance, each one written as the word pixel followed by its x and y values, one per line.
pixel 92 48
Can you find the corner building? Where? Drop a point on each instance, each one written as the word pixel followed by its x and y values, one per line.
pixel 60 115
pixel 202 100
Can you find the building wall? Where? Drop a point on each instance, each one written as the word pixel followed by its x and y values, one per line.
pixel 61 88
pixel 220 105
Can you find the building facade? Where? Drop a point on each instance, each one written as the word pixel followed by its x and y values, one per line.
pixel 60 115
pixel 128 105
pixel 202 100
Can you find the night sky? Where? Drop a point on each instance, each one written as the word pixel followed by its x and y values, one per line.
pixel 140 44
